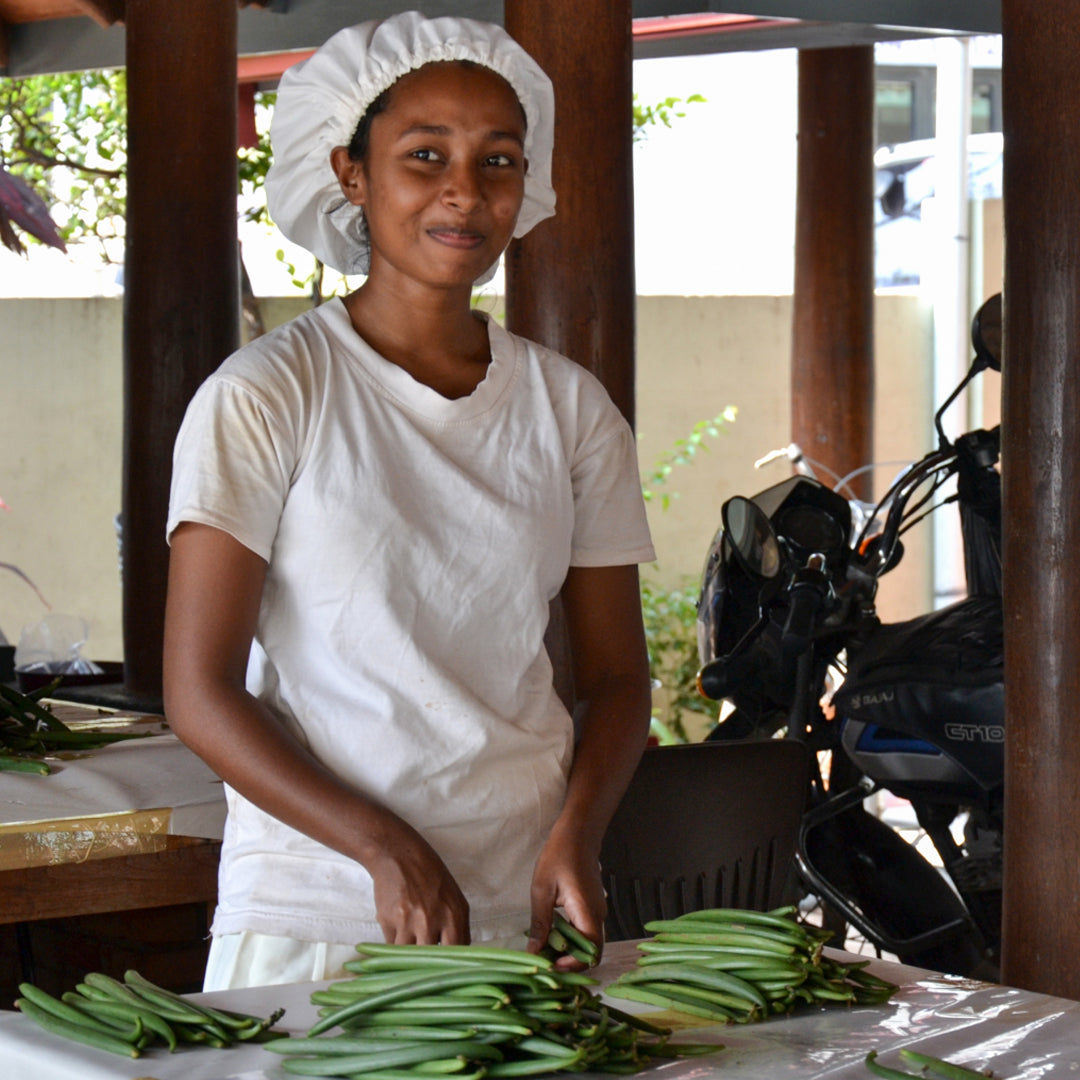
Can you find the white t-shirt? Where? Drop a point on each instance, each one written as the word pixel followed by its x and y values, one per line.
pixel 413 545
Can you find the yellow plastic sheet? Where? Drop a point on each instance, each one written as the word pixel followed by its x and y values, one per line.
pixel 76 840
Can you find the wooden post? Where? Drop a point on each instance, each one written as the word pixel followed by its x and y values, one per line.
pixel 832 357
pixel 1041 481
pixel 181 281
pixel 570 282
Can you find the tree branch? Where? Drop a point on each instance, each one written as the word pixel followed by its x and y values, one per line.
pixel 31 156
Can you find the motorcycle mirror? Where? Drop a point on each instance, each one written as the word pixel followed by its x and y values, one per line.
pixel 986 333
pixel 752 539
pixel 872 556
pixel 986 339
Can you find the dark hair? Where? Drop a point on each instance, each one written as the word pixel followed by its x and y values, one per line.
pixel 358 144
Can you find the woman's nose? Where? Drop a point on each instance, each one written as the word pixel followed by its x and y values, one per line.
pixel 463 190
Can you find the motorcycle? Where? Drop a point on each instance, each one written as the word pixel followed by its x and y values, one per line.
pixel 790 638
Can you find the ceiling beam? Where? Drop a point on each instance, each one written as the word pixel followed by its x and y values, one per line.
pixel 967 16
pixel 104 12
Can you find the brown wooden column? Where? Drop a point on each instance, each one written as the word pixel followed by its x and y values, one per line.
pixel 570 282
pixel 832 354
pixel 1041 471
pixel 181 291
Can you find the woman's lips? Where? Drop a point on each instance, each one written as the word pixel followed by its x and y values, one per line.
pixel 457 238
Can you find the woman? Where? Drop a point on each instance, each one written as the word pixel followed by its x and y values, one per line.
pixel 372 508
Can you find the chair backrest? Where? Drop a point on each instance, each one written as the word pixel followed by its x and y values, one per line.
pixel 704 825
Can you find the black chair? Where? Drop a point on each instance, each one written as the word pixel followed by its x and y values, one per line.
pixel 704 825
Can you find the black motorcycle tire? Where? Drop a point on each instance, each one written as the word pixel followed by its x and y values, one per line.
pixel 900 895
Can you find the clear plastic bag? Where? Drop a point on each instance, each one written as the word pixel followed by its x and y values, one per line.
pixel 53 646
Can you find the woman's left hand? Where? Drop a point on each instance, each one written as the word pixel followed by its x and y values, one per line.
pixel 567 875
pixel 602 609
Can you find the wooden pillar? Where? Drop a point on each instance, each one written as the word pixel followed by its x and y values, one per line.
pixel 832 357
pixel 1041 492
pixel 181 282
pixel 570 282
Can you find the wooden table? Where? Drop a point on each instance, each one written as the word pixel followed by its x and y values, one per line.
pixel 182 869
pixel 132 825
pixel 129 827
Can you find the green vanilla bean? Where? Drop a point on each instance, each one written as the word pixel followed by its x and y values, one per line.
pixel 941 1067
pixel 885 1072
pixel 99 1039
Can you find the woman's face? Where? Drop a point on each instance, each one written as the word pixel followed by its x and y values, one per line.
pixel 443 178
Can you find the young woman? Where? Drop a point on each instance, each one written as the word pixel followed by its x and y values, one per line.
pixel 372 508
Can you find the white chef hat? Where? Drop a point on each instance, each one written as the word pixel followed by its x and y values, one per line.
pixel 321 100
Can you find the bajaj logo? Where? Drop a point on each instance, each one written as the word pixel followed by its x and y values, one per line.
pixel 866 701
pixel 993 733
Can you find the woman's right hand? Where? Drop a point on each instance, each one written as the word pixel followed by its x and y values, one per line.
pixel 215 587
pixel 417 900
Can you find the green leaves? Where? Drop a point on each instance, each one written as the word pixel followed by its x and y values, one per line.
pixel 662 112
pixel 670 614
pixel 683 452
pixel 64 135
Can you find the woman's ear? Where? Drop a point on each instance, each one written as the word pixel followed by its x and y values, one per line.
pixel 350 175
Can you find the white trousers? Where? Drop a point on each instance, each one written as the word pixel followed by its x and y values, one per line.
pixel 250 959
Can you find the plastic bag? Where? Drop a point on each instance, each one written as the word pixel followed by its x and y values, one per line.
pixel 53 646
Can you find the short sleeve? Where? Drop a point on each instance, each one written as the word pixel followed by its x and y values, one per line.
pixel 232 465
pixel 610 526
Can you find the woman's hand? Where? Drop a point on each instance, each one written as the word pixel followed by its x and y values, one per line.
pixel 567 875
pixel 417 901
pixel 215 588
pixel 602 607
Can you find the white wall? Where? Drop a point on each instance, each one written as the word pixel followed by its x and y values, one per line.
pixel 60 438
pixel 60 462
pixel 698 355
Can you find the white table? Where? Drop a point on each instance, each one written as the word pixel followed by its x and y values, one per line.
pixel 1019 1035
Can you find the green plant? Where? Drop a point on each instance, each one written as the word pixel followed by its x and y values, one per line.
pixel 68 132
pixel 662 112
pixel 670 613
pixel 683 452
pixel 66 135
pixel 670 616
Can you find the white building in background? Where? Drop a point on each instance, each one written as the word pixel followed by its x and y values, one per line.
pixel 715 195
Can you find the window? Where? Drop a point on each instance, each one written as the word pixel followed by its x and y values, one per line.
pixel 906 99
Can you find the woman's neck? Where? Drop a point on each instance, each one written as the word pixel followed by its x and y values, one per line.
pixel 433 334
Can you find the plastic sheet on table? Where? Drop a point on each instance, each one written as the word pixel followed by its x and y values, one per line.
pixel 77 840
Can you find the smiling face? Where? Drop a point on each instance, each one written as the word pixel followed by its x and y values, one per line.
pixel 442 179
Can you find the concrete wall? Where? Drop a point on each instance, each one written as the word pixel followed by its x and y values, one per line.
pixel 698 355
pixel 60 459
pixel 60 437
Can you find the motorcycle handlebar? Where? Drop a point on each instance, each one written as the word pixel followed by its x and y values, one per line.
pixel 807 592
pixel 721 677
pixel 939 461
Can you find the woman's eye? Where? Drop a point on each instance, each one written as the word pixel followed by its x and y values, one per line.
pixel 424 155
pixel 500 160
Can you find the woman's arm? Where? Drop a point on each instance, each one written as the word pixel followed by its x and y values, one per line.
pixel 215 588
pixel 602 607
